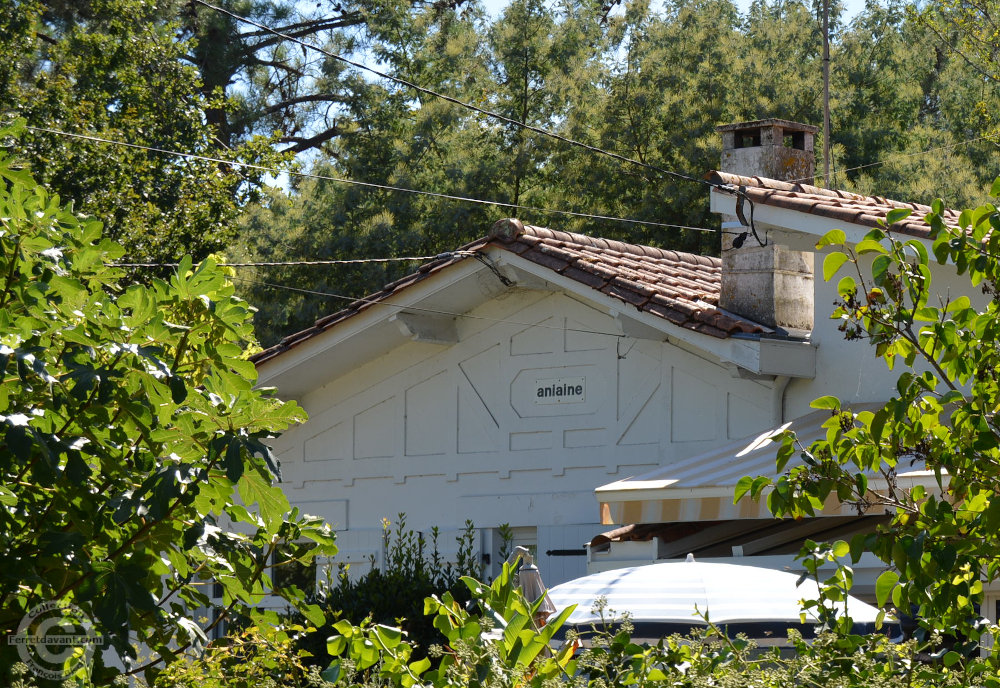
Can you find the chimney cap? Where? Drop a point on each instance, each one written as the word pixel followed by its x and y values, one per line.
pixel 785 124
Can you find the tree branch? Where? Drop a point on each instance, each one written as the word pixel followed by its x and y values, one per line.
pixel 303 144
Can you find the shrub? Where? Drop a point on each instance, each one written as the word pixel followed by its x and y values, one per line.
pixel 394 594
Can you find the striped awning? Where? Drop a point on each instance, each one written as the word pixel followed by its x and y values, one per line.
pixel 701 488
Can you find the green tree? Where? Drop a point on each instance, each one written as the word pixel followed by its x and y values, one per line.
pixel 395 137
pixel 897 93
pixel 133 469
pixel 941 546
pixel 967 29
pixel 650 84
pixel 659 101
pixel 115 69
pixel 273 84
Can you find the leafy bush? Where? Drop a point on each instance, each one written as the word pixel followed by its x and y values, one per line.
pixel 131 433
pixel 394 594
pixel 521 655
pixel 262 656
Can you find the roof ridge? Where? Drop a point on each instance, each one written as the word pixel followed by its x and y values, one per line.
pixel 510 229
pixel 766 183
pixel 777 184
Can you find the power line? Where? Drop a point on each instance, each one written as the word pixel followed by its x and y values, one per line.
pixel 370 185
pixel 433 311
pixel 738 191
pixel 456 101
pixel 297 263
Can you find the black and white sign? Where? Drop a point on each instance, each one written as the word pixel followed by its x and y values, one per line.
pixel 563 390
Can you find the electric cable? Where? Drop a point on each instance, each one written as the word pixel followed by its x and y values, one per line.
pixel 370 185
pixel 431 311
pixel 300 263
pixel 456 101
pixel 897 156
pixel 489 113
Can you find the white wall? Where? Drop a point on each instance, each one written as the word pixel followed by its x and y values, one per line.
pixel 448 433
pixel 849 369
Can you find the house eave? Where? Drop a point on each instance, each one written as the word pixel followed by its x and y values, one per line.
pixel 790 224
pixel 758 354
pixel 407 316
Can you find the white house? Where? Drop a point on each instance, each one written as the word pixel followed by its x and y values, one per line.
pixel 513 380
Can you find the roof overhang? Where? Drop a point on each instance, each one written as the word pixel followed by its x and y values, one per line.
pixel 427 312
pixel 758 354
pixel 701 487
pixel 799 229
pixel 787 220
pixel 424 312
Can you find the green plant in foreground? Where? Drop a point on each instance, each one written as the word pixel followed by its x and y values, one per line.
pixel 394 593
pixel 260 656
pixel 499 646
pixel 134 474
pixel 940 546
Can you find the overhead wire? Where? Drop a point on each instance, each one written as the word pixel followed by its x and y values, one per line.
pixel 376 301
pixel 300 263
pixel 736 190
pixel 456 101
pixel 370 185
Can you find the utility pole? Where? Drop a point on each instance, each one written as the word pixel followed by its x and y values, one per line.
pixel 826 93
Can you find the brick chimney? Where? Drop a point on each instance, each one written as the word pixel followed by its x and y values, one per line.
pixel 771 284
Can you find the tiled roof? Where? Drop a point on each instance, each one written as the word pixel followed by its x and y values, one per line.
pixel 842 206
pixel 326 322
pixel 682 288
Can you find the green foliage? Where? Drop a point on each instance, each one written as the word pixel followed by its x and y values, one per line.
pixel 264 656
pixel 394 593
pixel 133 469
pixel 650 83
pixel 499 645
pixel 516 653
pixel 941 542
pixel 967 29
pixel 115 69
pixel 476 651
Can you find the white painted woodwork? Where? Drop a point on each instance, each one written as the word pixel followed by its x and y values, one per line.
pixel 448 433
pixel 439 417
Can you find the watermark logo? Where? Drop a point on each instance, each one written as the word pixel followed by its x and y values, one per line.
pixel 55 639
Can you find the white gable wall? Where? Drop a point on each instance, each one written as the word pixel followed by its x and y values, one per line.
pixel 447 433
pixel 849 369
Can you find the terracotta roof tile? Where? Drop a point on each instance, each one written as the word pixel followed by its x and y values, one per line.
pixel 681 288
pixel 684 306
pixel 588 278
pixel 674 316
pixel 597 269
pixel 518 248
pixel 557 251
pixel 625 294
pixel 842 206
pixel 705 328
pixel 537 255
